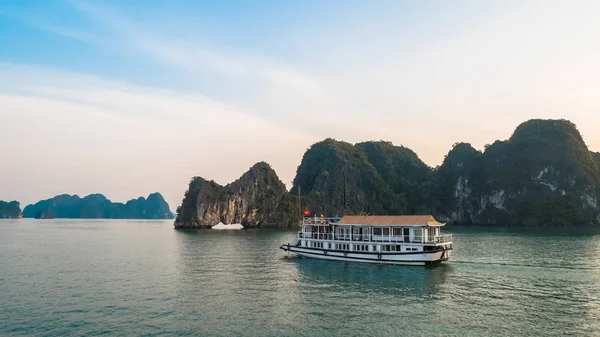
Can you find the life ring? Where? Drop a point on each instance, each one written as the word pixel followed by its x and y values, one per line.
pixel 345 253
pixel 379 256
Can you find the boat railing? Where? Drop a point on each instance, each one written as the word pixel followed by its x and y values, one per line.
pixel 316 220
pixel 372 238
pixel 440 239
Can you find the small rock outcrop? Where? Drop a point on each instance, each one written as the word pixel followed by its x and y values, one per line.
pixel 258 199
pixel 10 210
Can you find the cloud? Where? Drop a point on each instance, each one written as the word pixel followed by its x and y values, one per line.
pixel 189 54
pixel 85 134
pixel 460 73
pixel 246 77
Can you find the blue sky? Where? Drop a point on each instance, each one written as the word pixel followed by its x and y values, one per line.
pixel 130 97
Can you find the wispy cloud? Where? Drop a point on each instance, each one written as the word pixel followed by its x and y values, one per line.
pixel 270 89
pixel 74 122
pixel 189 55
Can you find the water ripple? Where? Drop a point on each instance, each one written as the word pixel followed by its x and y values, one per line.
pixel 67 278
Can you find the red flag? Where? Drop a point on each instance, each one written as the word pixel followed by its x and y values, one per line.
pixel 306 212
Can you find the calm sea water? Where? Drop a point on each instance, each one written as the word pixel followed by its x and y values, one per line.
pixel 75 278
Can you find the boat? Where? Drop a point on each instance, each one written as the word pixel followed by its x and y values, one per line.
pixel 399 239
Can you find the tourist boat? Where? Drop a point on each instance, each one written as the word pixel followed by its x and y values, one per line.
pixel 405 239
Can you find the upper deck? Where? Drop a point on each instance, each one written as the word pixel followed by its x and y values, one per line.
pixel 408 229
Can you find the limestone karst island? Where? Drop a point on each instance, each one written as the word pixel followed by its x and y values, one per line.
pixel 544 174
pixel 10 210
pixel 93 206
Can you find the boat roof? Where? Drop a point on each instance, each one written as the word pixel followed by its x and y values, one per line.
pixel 389 220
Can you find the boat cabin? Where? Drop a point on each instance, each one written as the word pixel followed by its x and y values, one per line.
pixel 404 233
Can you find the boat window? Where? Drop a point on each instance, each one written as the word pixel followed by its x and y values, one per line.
pixel 343 246
pixel 386 231
pixel 377 231
pixel 398 248
pixel 397 231
pixel 431 233
pixel 361 247
pixel 418 234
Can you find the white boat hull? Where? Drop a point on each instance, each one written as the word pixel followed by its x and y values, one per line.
pixel 406 258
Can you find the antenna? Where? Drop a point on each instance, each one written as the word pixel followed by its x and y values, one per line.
pixel 299 203
pixel 344 209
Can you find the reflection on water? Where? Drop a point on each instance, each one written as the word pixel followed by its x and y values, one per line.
pixel 73 278
pixel 363 277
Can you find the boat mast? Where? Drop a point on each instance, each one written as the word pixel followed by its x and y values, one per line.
pixel 344 198
pixel 299 203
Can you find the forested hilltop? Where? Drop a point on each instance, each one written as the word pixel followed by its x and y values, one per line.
pixel 543 174
pixel 10 210
pixel 97 206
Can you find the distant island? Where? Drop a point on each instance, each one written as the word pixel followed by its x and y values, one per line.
pixel 544 174
pixel 97 206
pixel 10 210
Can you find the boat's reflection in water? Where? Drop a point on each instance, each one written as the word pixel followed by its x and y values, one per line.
pixel 367 277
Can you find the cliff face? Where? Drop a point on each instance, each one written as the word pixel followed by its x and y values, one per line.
pixel 97 206
pixel 544 174
pixel 10 210
pixel 257 199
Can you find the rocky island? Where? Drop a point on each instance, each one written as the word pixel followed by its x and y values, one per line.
pixel 544 174
pixel 97 206
pixel 10 210
pixel 258 199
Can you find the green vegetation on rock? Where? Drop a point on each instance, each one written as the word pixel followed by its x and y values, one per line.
pixel 97 206
pixel 367 178
pixel 543 174
pixel 257 199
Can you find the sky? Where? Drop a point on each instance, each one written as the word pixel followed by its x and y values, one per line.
pixel 126 98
